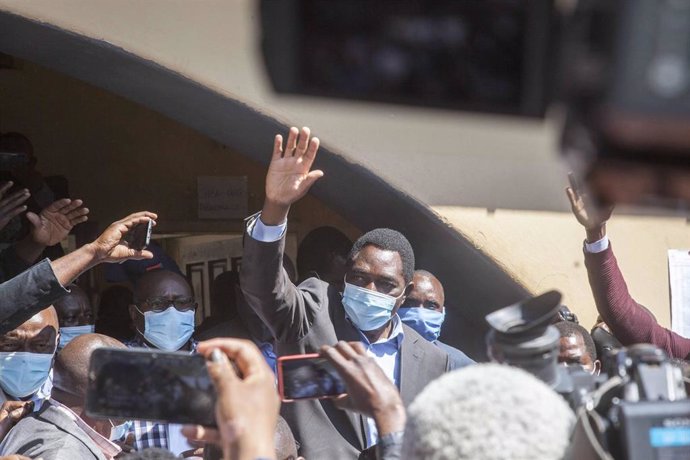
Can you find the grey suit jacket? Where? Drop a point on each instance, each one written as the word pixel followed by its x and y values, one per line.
pixel 51 435
pixel 457 358
pixel 28 293
pixel 307 317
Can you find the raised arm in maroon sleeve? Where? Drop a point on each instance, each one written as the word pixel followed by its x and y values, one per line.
pixel 628 321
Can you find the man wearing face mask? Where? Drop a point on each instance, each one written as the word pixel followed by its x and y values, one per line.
pixel 61 429
pixel 26 358
pixel 163 315
pixel 75 315
pixel 379 274
pixel 424 311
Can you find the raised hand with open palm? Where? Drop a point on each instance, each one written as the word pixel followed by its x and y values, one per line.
pixel 289 175
pixel 592 217
pixel 54 222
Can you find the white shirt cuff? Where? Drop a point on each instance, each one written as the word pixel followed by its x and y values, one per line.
pixel 598 246
pixel 266 233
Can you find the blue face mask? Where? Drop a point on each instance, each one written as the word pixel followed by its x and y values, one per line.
pixel 22 373
pixel 69 333
pixel 426 322
pixel 118 432
pixel 368 310
pixel 170 329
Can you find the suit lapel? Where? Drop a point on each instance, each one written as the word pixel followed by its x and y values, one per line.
pixel 52 414
pixel 412 379
pixel 345 331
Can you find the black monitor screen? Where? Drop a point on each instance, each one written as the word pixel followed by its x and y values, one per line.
pixel 485 55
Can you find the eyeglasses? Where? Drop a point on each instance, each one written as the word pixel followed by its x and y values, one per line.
pixel 160 304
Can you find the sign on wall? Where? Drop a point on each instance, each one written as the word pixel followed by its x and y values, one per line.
pixel 679 277
pixel 222 197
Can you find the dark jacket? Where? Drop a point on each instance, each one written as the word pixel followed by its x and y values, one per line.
pixel 28 293
pixel 457 358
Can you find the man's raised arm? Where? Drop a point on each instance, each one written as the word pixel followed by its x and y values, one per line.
pixel 628 321
pixel 41 285
pixel 286 310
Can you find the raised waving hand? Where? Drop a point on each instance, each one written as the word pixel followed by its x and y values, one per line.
pixel 289 175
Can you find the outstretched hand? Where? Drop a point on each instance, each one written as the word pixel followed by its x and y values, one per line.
pixel 12 205
pixel 54 223
pixel 592 217
pixel 110 247
pixel 289 177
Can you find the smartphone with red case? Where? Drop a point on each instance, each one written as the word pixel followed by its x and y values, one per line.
pixel 308 377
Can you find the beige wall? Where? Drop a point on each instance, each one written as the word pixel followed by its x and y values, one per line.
pixel 120 157
pixel 543 251
pixel 458 164
pixel 216 42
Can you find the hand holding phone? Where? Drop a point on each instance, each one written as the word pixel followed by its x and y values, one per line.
pixel 369 390
pixel 139 237
pixel 143 384
pixel 248 404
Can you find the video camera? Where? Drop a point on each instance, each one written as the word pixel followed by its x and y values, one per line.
pixel 620 68
pixel 636 409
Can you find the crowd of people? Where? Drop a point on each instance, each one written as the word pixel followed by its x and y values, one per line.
pixel 363 306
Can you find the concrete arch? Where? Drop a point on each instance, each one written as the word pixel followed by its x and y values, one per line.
pixel 474 283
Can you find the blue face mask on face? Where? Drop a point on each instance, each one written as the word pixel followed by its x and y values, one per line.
pixel 170 329
pixel 69 333
pixel 426 322
pixel 368 310
pixel 22 373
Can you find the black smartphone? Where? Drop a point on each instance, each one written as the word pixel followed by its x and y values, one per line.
pixel 308 377
pixel 139 237
pixel 143 384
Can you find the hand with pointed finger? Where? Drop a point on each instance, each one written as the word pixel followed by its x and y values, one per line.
pixel 11 412
pixel 248 404
pixel 54 223
pixel 289 175
pixel 369 390
pixel 12 205
pixel 110 247
pixel 592 217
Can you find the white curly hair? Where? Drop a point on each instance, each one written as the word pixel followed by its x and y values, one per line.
pixel 488 412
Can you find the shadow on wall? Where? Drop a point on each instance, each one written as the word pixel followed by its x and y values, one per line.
pixel 474 284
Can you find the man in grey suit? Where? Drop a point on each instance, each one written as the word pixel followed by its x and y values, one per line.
pixel 60 429
pixel 424 311
pixel 305 318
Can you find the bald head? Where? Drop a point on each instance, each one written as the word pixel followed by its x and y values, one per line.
pixel 161 283
pixel 71 371
pixel 36 335
pixel 427 292
pixel 74 309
